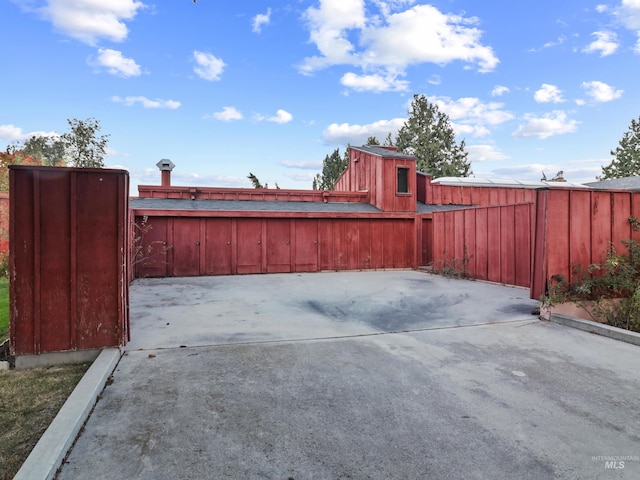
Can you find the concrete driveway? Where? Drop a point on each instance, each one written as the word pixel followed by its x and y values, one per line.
pixel 358 375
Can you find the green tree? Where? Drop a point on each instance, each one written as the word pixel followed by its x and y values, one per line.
pixel 332 167
pixel 427 134
pixel 626 162
pixel 84 148
pixel 372 141
pixel 255 181
pixel 50 150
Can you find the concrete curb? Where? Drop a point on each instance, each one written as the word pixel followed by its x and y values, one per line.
pixel 597 328
pixel 48 454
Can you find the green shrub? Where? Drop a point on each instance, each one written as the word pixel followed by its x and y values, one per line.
pixel 618 277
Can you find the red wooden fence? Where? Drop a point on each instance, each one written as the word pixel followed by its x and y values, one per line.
pixel 486 243
pixel 223 243
pixel 578 227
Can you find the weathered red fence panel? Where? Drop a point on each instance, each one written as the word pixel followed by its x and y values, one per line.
pixel 306 245
pixel 218 233
pixel 222 245
pixel 69 259
pixel 578 227
pixel 487 243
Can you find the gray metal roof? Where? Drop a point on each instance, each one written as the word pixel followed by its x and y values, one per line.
pixel 249 205
pixel 507 183
pixel 383 152
pixel 627 183
pixel 426 208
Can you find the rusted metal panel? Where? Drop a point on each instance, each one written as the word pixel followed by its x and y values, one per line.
pixel 69 255
pixel 55 303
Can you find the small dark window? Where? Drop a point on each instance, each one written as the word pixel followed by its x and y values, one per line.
pixel 403 180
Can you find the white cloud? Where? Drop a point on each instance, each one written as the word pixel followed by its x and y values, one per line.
pixel 91 20
pixel 606 43
pixel 601 92
pixel 469 115
pixel 485 153
pixel 601 8
pixel 628 13
pixel 315 165
pixel 392 40
pixel 554 43
pixel 208 66
pixel 554 123
pixel 11 133
pixel 499 90
pixel 344 133
pixel 147 103
pixel 260 20
pixel 548 94
pixel 115 63
pixel 424 34
pixel 434 80
pixel 227 114
pixel 281 116
pixel 374 83
pixel 462 130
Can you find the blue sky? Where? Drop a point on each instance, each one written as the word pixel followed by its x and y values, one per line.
pixel 226 88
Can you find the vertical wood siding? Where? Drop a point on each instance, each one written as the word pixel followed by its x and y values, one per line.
pixel 486 243
pixel 578 227
pixel 223 246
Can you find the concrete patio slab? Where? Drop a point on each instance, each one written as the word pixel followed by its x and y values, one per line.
pixel 358 375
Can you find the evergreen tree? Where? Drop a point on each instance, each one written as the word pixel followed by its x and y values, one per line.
pixel 254 181
pixel 372 141
pixel 332 167
pixel 427 134
pixel 626 162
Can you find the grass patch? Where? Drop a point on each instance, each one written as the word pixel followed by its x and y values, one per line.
pixel 4 309
pixel 29 401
